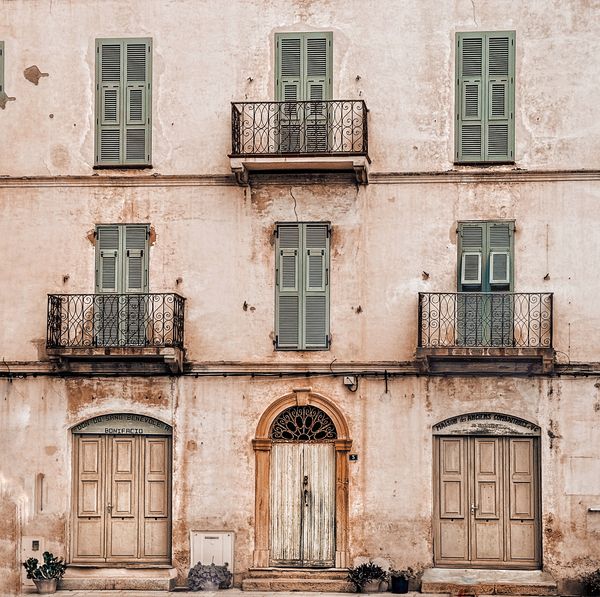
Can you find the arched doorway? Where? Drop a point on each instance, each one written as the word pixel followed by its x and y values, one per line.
pixel 301 449
pixel 487 492
pixel 121 490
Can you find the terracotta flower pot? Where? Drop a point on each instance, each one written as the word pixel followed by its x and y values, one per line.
pixel 371 587
pixel 45 586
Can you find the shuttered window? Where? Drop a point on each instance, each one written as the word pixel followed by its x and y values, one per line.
pixel 122 258
pixel 1 66
pixel 123 102
pixel 485 261
pixel 303 70
pixel 485 91
pixel 302 286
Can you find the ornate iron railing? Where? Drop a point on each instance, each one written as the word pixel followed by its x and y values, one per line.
pixel 485 319
pixel 299 128
pixel 115 320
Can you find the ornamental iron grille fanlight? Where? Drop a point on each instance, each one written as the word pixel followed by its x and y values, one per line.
pixel 303 423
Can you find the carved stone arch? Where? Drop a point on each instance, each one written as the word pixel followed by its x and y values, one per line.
pixel 262 445
pixel 302 397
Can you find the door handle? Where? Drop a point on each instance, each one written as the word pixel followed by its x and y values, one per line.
pixel 109 508
pixel 305 483
pixel 474 508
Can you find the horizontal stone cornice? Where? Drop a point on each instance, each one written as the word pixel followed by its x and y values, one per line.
pixel 460 175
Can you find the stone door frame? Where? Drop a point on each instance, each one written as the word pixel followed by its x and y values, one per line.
pixel 262 444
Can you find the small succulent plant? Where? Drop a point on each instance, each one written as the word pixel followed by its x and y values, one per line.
pixel 51 568
pixel 364 573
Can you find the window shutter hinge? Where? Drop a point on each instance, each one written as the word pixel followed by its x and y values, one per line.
pixel 276 341
pixel 328 230
pixel 276 231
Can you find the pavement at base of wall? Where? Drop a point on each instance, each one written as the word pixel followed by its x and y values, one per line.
pixel 225 593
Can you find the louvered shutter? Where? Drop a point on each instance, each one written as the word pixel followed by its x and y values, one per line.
pixel 500 97
pixel 316 287
pixel 288 285
pixel 123 106
pixel 469 97
pixel 317 66
pixel 107 312
pixel 485 97
pixel 137 100
pixel 136 259
pixel 289 90
pixel 501 302
pixel 471 257
pixel 1 66
pixel 135 302
pixel 469 313
pixel 108 259
pixel 109 100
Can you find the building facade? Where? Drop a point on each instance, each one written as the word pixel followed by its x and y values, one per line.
pixel 295 283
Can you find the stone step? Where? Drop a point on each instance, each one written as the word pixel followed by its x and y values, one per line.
pixel 323 573
pixel 306 585
pixel 123 579
pixel 466 582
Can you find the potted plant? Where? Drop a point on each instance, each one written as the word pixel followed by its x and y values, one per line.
pixel 46 575
pixel 591 582
pixel 209 577
pixel 367 577
pixel 400 579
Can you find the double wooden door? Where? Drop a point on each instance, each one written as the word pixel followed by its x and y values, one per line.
pixel 122 509
pixel 303 504
pixel 487 502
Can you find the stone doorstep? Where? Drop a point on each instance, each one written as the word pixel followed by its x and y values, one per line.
pixel 306 585
pixel 128 579
pixel 326 573
pixel 466 582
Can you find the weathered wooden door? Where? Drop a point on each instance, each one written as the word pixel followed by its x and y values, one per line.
pixel 122 499
pixel 487 502
pixel 303 504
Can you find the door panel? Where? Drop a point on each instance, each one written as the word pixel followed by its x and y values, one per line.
pixel 487 502
pixel 89 516
pixel 303 504
pixel 122 499
pixel 318 528
pixel 286 503
pixel 453 499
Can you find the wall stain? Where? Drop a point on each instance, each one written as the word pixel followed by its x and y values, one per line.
pixel 5 98
pixel 33 74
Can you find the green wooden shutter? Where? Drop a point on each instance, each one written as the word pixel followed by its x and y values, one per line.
pixel 501 301
pixel 1 66
pixel 135 303
pixel 304 71
pixel 288 285
pixel 108 276
pixel 485 97
pixel 472 259
pixel 123 107
pixel 316 286
pixel 469 97
pixel 500 63
pixel 109 69
pixel 138 54
pixel 317 66
pixel 302 282
pixel 108 259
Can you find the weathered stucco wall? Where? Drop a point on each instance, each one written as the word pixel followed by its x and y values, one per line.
pixel 398 56
pixel 219 241
pixel 390 484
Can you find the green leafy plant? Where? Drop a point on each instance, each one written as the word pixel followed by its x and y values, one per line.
pixel 405 574
pixel 591 582
pixel 364 573
pixel 201 577
pixel 51 568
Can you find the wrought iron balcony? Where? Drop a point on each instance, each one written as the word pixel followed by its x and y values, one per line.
pixel 87 321
pixel 482 332
pixel 332 129
pixel 485 319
